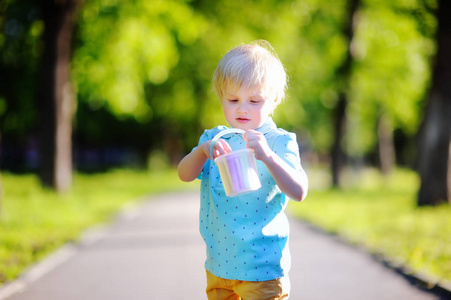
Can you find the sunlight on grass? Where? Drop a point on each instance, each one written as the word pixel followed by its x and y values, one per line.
pixel 35 221
pixel 375 212
pixel 381 215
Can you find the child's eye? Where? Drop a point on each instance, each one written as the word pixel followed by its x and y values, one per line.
pixel 233 100
pixel 255 101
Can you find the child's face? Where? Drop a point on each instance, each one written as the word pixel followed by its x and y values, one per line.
pixel 246 108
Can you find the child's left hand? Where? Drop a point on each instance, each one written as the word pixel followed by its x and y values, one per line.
pixel 292 182
pixel 256 140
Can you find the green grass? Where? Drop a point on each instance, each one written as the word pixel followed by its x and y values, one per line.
pixel 377 213
pixel 35 221
pixel 380 214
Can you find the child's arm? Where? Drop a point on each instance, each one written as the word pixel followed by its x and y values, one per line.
pixel 291 182
pixel 191 165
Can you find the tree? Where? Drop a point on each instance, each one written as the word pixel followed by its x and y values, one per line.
pixel 134 60
pixel 343 75
pixel 435 132
pixel 392 48
pixel 19 31
pixel 55 93
pixel 1 192
pixel 387 157
pixel 147 65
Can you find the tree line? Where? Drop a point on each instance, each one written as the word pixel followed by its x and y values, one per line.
pixel 368 79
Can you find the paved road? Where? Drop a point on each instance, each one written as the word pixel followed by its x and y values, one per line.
pixel 154 251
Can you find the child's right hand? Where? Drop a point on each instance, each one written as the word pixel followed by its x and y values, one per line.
pixel 221 147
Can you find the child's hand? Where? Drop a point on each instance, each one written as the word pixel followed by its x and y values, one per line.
pixel 221 147
pixel 256 141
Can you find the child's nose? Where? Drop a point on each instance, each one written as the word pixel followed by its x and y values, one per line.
pixel 242 108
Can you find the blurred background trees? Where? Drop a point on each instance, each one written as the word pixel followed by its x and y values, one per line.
pixel 435 133
pixel 55 94
pixel 141 74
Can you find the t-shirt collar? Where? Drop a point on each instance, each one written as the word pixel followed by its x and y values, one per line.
pixel 268 126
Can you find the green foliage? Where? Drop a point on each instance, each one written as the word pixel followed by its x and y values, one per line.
pixel 380 214
pixel 124 46
pixel 20 48
pixel 391 72
pixel 153 61
pixel 35 221
pixel 311 51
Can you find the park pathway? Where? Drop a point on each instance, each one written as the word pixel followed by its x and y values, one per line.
pixel 154 251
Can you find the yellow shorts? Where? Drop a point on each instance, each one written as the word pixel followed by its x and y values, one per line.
pixel 226 289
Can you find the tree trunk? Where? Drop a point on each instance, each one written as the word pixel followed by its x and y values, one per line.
pixel 339 114
pixel 1 189
pixel 1 196
pixel 387 157
pixel 56 97
pixel 449 173
pixel 337 153
pixel 435 132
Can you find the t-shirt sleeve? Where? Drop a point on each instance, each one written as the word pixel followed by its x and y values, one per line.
pixel 287 148
pixel 206 136
pixel 203 138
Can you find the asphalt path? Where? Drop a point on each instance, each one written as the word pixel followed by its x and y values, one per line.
pixel 154 251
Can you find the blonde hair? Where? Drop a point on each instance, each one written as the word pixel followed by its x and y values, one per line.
pixel 251 65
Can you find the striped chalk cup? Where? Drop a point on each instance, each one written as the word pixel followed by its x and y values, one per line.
pixel 237 169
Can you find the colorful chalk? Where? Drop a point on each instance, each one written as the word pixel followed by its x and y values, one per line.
pixel 237 169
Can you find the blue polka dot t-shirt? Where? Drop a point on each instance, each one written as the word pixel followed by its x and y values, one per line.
pixel 247 236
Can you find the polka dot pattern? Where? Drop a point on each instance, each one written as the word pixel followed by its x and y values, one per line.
pixel 246 236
